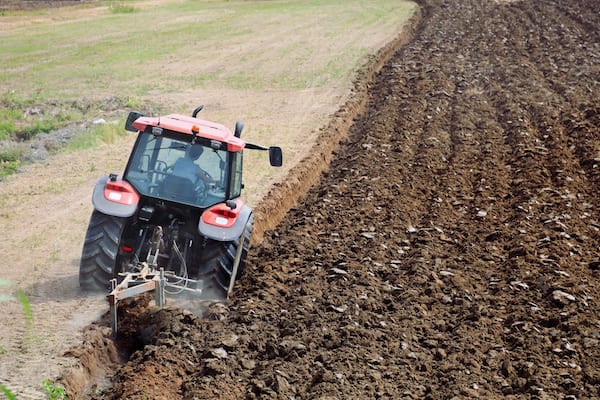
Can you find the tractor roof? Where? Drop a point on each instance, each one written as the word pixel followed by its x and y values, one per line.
pixel 190 125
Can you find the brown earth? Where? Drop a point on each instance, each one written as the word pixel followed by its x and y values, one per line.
pixel 45 208
pixel 451 250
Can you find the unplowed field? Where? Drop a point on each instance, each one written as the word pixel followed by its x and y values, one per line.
pixel 451 250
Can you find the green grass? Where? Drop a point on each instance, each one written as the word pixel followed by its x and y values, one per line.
pixel 9 160
pixel 176 45
pixel 53 391
pixel 7 393
pixel 7 128
pixel 121 8
pixel 24 300
pixel 23 118
pixel 133 103
pixel 97 134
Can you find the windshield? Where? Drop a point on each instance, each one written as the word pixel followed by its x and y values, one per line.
pixel 176 170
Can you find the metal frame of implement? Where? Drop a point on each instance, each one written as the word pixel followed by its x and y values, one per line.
pixel 148 279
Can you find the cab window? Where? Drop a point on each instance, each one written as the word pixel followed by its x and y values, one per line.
pixel 236 175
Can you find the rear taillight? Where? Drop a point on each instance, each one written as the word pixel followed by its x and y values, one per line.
pixel 121 192
pixel 222 215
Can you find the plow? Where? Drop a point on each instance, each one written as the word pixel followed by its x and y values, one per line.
pixel 173 223
pixel 153 278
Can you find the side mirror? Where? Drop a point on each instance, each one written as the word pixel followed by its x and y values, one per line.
pixel 231 204
pixel 275 156
pixel 131 118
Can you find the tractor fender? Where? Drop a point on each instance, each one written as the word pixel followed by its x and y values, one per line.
pixel 221 223
pixel 115 197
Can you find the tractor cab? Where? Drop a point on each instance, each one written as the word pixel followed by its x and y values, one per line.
pixel 176 168
pixel 188 160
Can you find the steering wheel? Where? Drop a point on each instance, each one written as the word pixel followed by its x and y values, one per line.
pixel 205 176
pixel 161 166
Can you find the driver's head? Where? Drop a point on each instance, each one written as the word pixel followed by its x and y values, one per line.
pixel 195 151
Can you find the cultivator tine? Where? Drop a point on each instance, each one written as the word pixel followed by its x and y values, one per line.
pixel 160 289
pixel 133 284
pixel 236 263
pixel 113 308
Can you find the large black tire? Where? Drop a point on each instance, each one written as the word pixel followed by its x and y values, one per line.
pixel 100 250
pixel 216 262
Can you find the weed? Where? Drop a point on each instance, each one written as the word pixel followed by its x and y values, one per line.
pixel 24 118
pixel 133 103
pixel 101 133
pixel 10 154
pixel 24 300
pixel 53 391
pixel 8 168
pixel 9 161
pixel 7 128
pixel 120 8
pixel 9 395
pixel 42 126
pixel 110 133
pixel 10 99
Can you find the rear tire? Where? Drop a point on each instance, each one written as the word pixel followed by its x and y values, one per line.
pixel 100 250
pixel 216 262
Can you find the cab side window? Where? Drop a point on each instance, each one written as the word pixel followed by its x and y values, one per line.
pixel 236 175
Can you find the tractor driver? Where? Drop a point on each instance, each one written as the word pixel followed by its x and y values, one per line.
pixel 186 166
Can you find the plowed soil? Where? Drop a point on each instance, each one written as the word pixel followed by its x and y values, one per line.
pixel 451 250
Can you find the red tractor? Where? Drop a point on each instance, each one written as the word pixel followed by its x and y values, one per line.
pixel 176 208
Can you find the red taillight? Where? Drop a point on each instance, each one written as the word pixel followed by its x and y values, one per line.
pixel 121 192
pixel 221 215
pixel 127 249
pixel 225 213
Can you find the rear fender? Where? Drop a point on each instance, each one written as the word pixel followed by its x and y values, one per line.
pixel 115 197
pixel 220 222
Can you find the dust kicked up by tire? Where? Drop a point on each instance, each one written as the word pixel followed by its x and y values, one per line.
pixel 450 251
